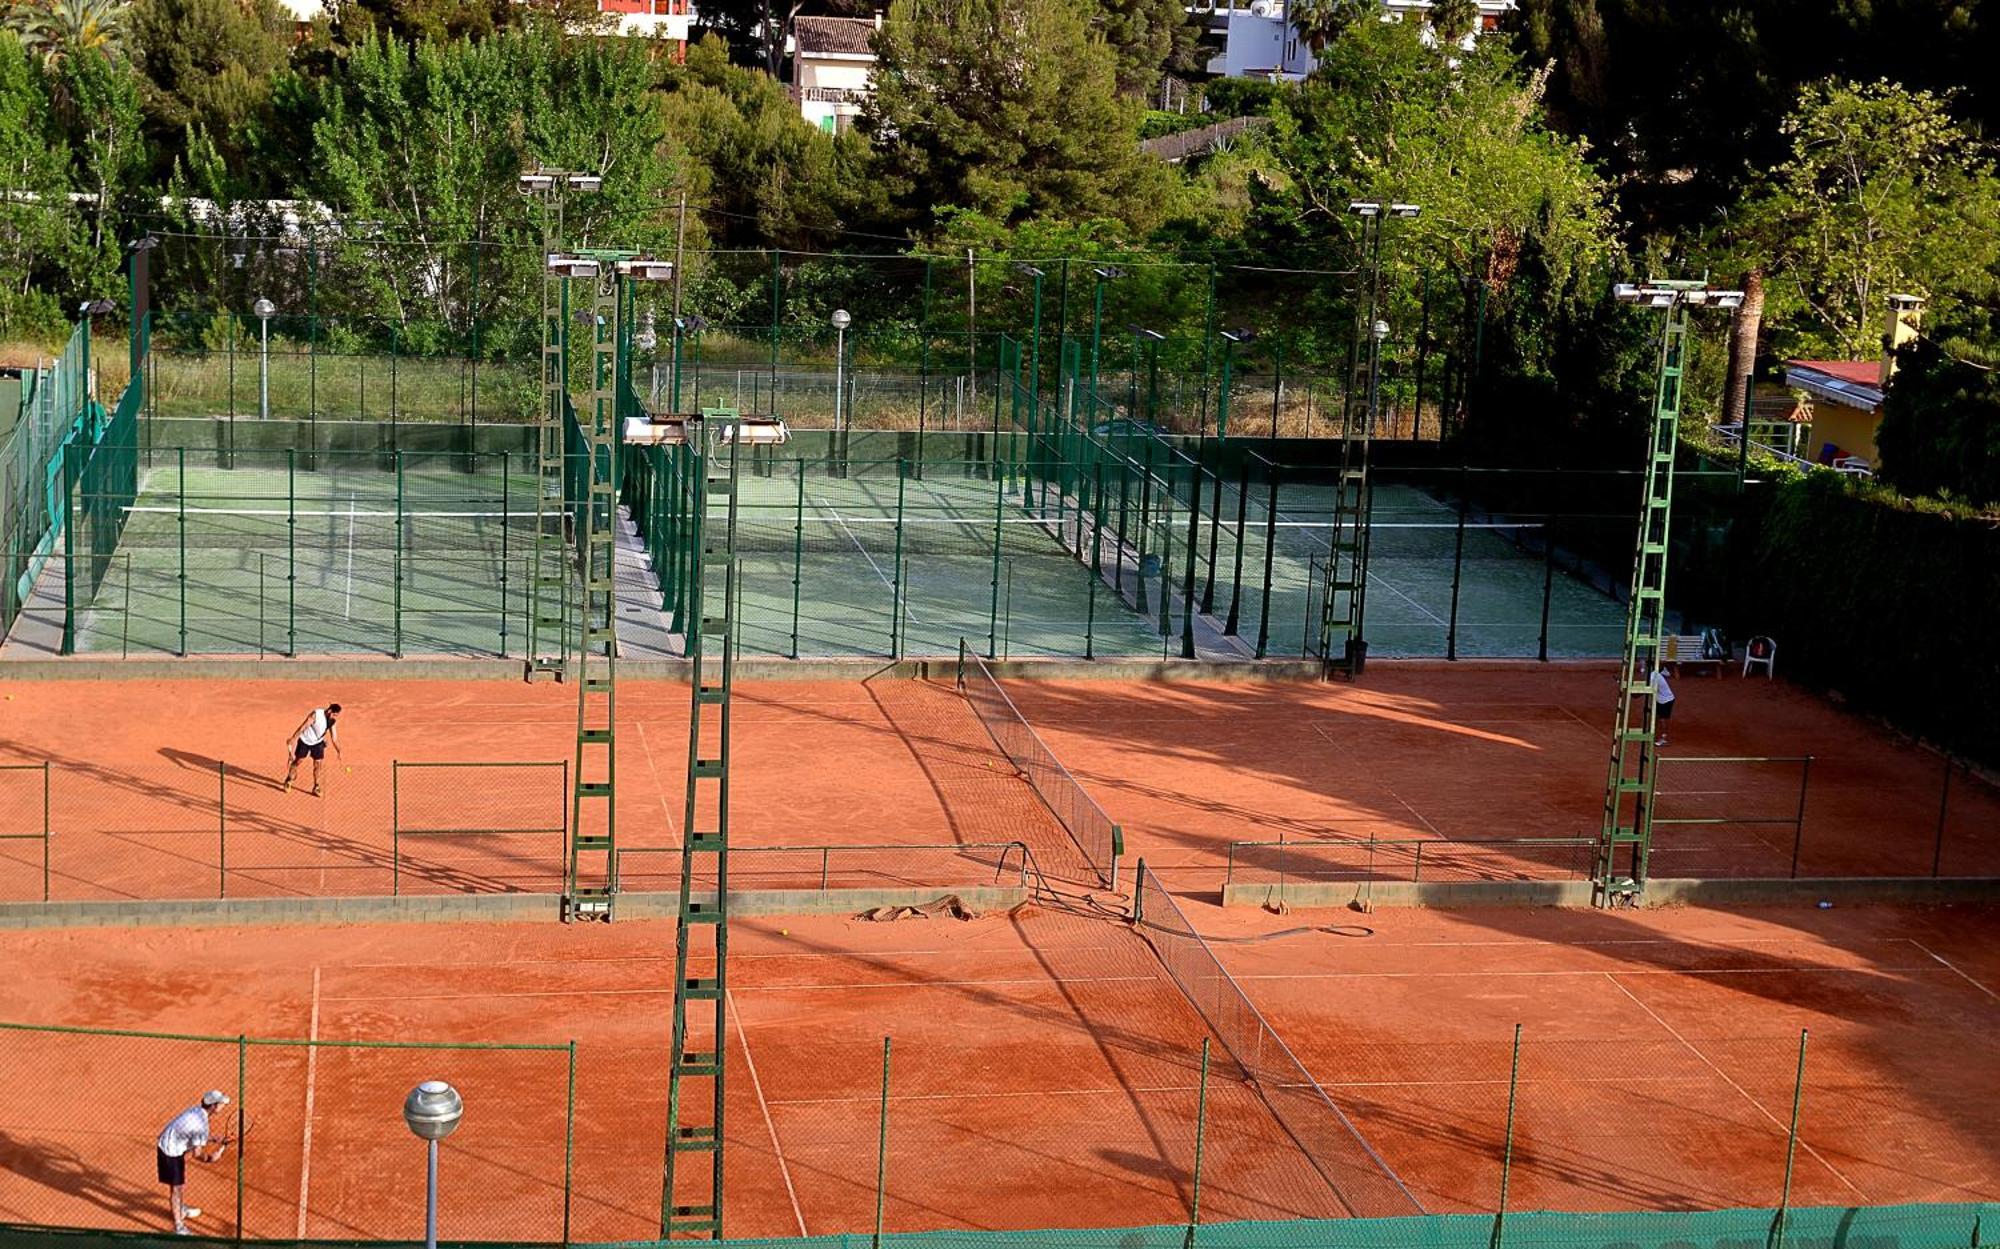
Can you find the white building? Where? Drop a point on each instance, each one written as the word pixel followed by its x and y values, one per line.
pixel 1258 42
pixel 833 66
pixel 652 19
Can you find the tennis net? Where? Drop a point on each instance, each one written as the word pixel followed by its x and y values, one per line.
pixel 355 526
pixel 1100 840
pixel 1362 1183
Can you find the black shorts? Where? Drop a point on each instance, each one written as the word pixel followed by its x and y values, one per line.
pixel 1666 710
pixel 300 750
pixel 172 1170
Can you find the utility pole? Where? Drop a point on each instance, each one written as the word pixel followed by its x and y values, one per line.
pixel 971 332
pixel 680 257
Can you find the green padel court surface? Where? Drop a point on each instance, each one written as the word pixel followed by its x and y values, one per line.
pixel 838 559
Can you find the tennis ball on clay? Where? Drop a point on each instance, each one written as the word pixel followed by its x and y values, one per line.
pixel 784 932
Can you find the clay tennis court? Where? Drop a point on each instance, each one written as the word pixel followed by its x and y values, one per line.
pixel 1044 1072
pixel 170 789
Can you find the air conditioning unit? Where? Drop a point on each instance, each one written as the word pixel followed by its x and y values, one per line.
pixel 1266 8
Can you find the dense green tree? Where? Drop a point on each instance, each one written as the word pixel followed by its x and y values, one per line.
pixel 1940 431
pixel 1150 38
pixel 35 217
pixel 427 142
pixel 97 113
pixel 208 62
pixel 1882 192
pixel 1009 107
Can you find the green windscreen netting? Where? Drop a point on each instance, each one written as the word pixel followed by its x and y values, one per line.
pixel 1829 1227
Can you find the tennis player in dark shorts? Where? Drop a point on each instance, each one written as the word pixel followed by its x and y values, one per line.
pixel 186 1133
pixel 309 741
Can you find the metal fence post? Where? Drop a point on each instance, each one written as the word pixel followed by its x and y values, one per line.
pixel 1200 1145
pixel 181 531
pixel 396 828
pixel 45 830
pixel 1507 1149
pixel 1270 548
pixel 569 1142
pixel 1791 1145
pixel 882 1148
pixel 1944 807
pixel 1799 820
pixel 242 1073
pixel 221 829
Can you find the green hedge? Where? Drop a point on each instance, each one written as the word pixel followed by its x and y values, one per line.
pixel 1892 604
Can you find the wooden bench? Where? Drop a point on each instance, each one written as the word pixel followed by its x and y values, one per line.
pixel 1685 650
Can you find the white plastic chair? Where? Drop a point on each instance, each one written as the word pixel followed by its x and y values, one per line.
pixel 1762 652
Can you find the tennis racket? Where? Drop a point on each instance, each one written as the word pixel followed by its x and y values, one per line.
pixel 227 1127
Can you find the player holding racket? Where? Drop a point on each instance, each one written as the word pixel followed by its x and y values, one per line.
pixel 310 740
pixel 189 1133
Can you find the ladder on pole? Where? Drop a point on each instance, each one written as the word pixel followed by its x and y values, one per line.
pixel 1626 840
pixel 691 1191
pixel 548 579
pixel 1344 588
pixel 591 878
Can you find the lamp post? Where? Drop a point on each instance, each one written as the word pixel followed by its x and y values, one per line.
pixel 432 1111
pixel 1106 273
pixel 1035 333
pixel 265 310
pixel 840 320
pixel 1378 332
pixel 1230 339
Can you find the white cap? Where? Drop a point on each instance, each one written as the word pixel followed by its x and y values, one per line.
pixel 215 1097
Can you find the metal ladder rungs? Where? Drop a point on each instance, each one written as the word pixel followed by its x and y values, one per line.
pixel 593 841
pixel 595 736
pixel 698 1063
pixel 593 789
pixel 708 769
pixel 694 1138
pixel 702 989
pixel 707 843
pixel 712 694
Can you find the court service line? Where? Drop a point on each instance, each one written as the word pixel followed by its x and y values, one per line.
pixel 1741 1091
pixel 1806 969
pixel 312 1074
pixel 665 809
pixel 997 1095
pixel 1954 967
pixel 777 1150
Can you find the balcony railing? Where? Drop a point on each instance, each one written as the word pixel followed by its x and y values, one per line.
pixel 830 95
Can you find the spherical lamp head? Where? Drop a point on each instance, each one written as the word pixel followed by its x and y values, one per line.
pixel 433 1109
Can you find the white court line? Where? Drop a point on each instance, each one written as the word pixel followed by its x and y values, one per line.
pixel 840 520
pixel 312 1074
pixel 777 1150
pixel 1783 1129
pixel 1954 967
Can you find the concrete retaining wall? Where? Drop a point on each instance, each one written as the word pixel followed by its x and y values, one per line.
pixel 492 908
pixel 1854 890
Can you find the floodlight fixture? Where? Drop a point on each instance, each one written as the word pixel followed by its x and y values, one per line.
pixel 562 266
pixel 97 308
pixel 643 269
pixel 1243 335
pixel 1365 208
pixel 1405 211
pixel 691 325
pixel 585 182
pixel 1027 270
pixel 1150 335
pixel 1108 273
pixel 537 183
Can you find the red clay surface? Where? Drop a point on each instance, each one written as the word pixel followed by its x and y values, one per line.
pixel 1435 752
pixel 1414 751
pixel 1044 1074
pixel 138 811
pixel 1659 1048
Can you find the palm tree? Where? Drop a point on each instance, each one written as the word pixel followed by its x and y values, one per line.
pixel 55 29
pixel 1319 22
pixel 1453 20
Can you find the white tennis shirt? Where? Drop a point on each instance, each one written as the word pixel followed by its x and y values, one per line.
pixel 187 1130
pixel 1662 692
pixel 316 728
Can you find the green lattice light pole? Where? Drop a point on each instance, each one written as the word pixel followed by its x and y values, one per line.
pixel 1626 838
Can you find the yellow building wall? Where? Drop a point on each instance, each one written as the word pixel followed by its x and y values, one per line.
pixel 1850 429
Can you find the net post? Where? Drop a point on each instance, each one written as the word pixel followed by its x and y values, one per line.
pixel 506 523
pixel 799 551
pixel 961 665
pixel 181 530
pixel 1200 1145
pixel 1457 564
pixel 1214 523
pixel 1270 549
pixel 45 830
pixel 1507 1149
pixel 999 511
pixel 242 1073
pixel 397 571
pixel 1944 808
pixel 1791 1145
pixel 1117 851
pixel 896 569
pixel 396 828
pixel 569 1141
pixel 1229 626
pixel 1090 620
pixel 1548 567
pixel 292 552
pixel 882 1148
pixel 1193 544
pixel 1139 895
pixel 221 830
pixel 1799 819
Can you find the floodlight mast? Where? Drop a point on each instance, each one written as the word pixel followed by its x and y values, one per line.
pixel 1626 837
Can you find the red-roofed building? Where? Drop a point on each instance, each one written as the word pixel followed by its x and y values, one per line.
pixel 1847 395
